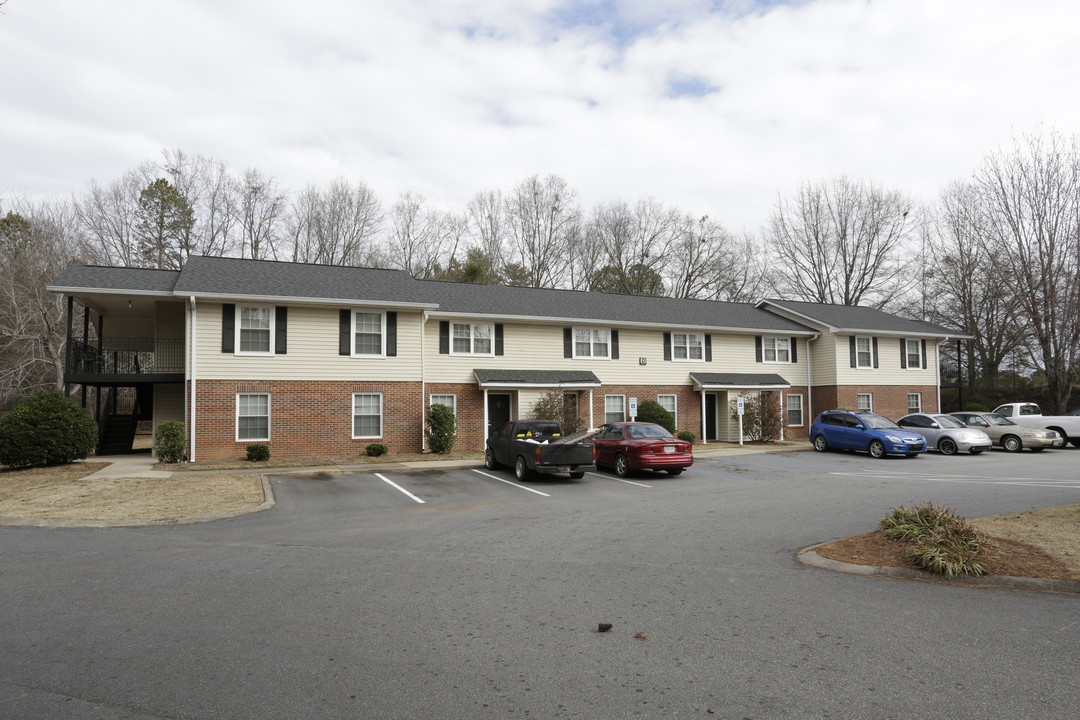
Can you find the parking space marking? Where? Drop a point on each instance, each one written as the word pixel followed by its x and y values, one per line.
pixel 968 479
pixel 628 482
pixel 395 485
pixel 493 477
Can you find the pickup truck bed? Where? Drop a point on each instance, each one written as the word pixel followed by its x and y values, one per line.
pixel 534 446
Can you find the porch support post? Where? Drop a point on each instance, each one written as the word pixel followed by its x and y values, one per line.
pixel 591 423
pixel 704 439
pixel 67 345
pixel 484 432
pixel 782 418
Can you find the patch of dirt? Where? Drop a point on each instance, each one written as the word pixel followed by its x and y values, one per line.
pixel 1054 530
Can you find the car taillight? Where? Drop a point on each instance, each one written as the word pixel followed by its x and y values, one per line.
pixel 537 456
pixel 594 454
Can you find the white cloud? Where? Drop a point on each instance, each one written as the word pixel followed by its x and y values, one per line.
pixel 448 99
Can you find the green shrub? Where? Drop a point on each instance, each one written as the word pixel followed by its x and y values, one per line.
pixel 686 436
pixel 441 428
pixel 170 442
pixel 258 453
pixel 653 412
pixel 942 542
pixel 376 449
pixel 46 429
pixel 553 405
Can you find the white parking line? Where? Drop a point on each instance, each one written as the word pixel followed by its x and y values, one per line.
pixel 493 477
pixel 969 479
pixel 628 482
pixel 394 484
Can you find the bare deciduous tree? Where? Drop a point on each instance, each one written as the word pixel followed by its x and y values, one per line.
pixel 422 240
pixel 259 210
pixel 109 215
pixel 335 226
pixel 636 242
pixel 544 219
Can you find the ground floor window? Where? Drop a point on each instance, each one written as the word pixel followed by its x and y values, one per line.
pixel 866 402
pixel 671 404
pixel 614 408
pixel 252 416
pixel 367 415
pixel 794 410
pixel 449 401
pixel 914 402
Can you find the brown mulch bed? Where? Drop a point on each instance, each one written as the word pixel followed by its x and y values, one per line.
pixel 1017 560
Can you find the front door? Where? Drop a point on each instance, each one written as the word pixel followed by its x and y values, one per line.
pixel 710 416
pixel 498 411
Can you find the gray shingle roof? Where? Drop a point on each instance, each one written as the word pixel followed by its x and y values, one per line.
pixel 117 279
pixel 537 377
pixel 740 379
pixel 847 317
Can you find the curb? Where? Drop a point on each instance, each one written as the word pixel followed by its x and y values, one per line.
pixel 809 557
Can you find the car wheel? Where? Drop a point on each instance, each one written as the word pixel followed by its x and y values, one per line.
pixel 946 446
pixel 520 468
pixel 622 467
pixel 489 460
pixel 1011 443
pixel 1037 449
pixel 577 474
pixel 820 444
pixel 674 471
pixel 877 449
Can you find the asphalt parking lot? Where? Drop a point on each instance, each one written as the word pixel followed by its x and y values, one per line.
pixel 464 594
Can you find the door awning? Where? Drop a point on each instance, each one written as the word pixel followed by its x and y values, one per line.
pixel 738 381
pixel 536 378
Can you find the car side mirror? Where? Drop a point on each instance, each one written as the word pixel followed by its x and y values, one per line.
pixel 860 426
pixel 934 425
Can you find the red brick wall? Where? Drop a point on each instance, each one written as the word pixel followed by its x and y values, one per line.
pixel 888 400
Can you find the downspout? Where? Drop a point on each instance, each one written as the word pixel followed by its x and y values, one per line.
pixel 937 370
pixel 191 445
pixel 423 382
pixel 809 419
pixel 704 438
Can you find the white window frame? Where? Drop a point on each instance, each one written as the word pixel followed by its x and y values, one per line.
pixel 352 334
pixel 779 345
pixel 918 398
pixel 607 402
pixel 917 365
pixel 674 404
pixel 686 346
pixel 238 325
pixel 593 342
pixel 472 339
pixel 382 427
pixel 802 414
pixel 868 396
pixel 869 353
pixel 268 417
pixel 442 401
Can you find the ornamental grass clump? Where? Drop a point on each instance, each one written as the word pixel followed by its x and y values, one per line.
pixel 941 541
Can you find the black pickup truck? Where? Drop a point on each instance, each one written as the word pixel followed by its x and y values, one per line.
pixel 538 446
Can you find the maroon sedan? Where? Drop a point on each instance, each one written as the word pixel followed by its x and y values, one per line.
pixel 630 446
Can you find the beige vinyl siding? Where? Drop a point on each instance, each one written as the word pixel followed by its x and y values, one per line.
pixel 823 359
pixel 312 350
pixel 888 371
pixel 168 403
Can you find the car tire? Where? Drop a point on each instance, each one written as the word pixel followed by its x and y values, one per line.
pixel 877 449
pixel 1011 443
pixel 1075 442
pixel 675 471
pixel 622 466
pixel 521 469
pixel 489 460
pixel 820 443
pixel 577 474
pixel 946 446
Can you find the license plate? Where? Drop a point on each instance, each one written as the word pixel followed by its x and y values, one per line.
pixel 669 448
pixel 564 468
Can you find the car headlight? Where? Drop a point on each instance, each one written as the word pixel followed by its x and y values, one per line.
pixel 894 439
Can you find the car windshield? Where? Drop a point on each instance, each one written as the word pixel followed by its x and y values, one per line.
pixel 877 422
pixel 647 431
pixel 998 420
pixel 947 421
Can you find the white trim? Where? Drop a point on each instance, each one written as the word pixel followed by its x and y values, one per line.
pixel 688 359
pixel 869 351
pixel 238 328
pixel 191 428
pixel 610 322
pixel 268 418
pixel 674 413
pixel 592 342
pixel 352 417
pixel 615 395
pixel 802 411
pixel 352 335
pixel 775 350
pixel 918 353
pixel 918 409
pixel 472 339
pixel 292 300
pixel 861 409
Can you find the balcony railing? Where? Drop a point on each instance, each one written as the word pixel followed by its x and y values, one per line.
pixel 126 356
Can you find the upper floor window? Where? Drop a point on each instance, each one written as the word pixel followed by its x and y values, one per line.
pixel 255 330
pixel 592 343
pixel 913 354
pixel 369 336
pixel 471 339
pixel 776 350
pixel 864 352
pixel 687 346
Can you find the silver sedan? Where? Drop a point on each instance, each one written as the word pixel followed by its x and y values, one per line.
pixel 946 434
pixel 1009 435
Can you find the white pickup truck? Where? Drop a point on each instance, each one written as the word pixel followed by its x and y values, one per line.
pixel 1025 413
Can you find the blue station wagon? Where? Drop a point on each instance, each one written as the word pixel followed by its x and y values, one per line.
pixel 877 435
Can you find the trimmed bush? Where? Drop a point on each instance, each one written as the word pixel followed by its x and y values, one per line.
pixel 170 442
pixel 46 429
pixel 376 449
pixel 258 453
pixel 686 436
pixel 653 412
pixel 441 428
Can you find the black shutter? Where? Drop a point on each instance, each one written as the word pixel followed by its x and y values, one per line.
pixel 924 354
pixel 851 347
pixel 498 339
pixel 903 353
pixel 567 343
pixel 228 328
pixel 391 334
pixel 344 330
pixel 614 344
pixel 708 348
pixel 874 343
pixel 281 329
pixel 667 346
pixel 444 337
pixel 758 357
pixel 794 349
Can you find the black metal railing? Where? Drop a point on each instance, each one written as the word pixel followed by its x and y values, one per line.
pixel 126 356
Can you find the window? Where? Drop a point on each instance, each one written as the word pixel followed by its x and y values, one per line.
pixel 367 415
pixel 794 410
pixel 671 404
pixel 913 354
pixel 687 346
pixel 614 408
pixel 592 343
pixel 252 416
pixel 467 339
pixel 914 402
pixel 864 355
pixel 866 402
pixel 449 401
pixel 776 350
pixel 368 336
pixel 255 330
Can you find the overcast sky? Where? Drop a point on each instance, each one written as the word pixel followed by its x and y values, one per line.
pixel 717 108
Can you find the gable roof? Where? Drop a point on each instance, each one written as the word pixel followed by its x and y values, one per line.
pixel 853 318
pixel 119 280
pixel 746 381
